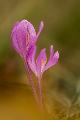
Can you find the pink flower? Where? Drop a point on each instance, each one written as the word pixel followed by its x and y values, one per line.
pixel 24 39
pixel 40 65
pixel 24 36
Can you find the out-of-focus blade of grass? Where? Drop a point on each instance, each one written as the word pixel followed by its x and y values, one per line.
pixel 60 87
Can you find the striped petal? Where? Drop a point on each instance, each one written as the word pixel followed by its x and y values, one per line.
pixel 41 61
pixel 22 34
pixel 31 59
pixel 53 59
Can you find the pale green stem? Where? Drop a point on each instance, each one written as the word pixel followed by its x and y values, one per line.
pixel 40 92
pixel 31 82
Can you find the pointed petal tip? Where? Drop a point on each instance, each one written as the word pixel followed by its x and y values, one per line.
pixel 57 54
pixel 42 23
pixel 51 51
pixel 41 26
pixel 51 47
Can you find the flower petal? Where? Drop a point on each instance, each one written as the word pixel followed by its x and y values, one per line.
pixel 41 61
pixel 14 40
pixel 52 60
pixel 51 51
pixel 32 32
pixel 40 29
pixel 31 59
pixel 22 33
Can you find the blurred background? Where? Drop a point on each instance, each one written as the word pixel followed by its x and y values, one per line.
pixel 61 84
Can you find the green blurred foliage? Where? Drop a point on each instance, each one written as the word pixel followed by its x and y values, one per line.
pixel 61 84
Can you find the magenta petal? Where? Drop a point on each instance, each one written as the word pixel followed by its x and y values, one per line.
pixel 41 61
pixel 40 29
pixel 51 51
pixel 53 59
pixel 31 59
pixel 22 33
pixel 32 32
pixel 14 40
